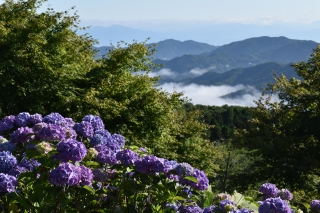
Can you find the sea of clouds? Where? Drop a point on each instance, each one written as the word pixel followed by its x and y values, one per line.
pixel 211 95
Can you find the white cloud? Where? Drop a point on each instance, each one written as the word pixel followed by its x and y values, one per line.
pixel 211 95
pixel 163 73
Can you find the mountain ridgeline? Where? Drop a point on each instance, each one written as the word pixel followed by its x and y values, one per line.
pixel 252 61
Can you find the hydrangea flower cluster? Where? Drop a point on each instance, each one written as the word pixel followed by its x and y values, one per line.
pixel 71 150
pixel 8 183
pixel 70 146
pixel 190 209
pixel 227 205
pixel 315 206
pixel 285 194
pixel 269 190
pixel 272 205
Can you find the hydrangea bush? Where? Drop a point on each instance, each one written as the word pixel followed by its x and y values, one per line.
pixel 54 164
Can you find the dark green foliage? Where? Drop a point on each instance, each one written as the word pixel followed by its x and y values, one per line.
pixel 286 133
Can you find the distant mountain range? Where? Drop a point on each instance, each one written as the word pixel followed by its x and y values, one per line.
pixel 248 62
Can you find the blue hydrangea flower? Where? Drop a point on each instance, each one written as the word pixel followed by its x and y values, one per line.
pixel 17 170
pixel 272 205
pixel 65 174
pixel 172 206
pixel 7 146
pixel 55 118
pixel 22 135
pixel 285 194
pixel 86 175
pixel 37 127
pixel 22 119
pixel 96 121
pixel 70 122
pixel 8 183
pixel 7 123
pixel 72 150
pixel 103 175
pixel 84 128
pixel 315 206
pixel 29 164
pixel 210 209
pixel 269 190
pixel 120 139
pixel 106 155
pixel 127 157
pixel 7 162
pixel 149 165
pixel 100 137
pixel 184 169
pixel 227 205
pixel 190 209
pixel 35 118
pixel 51 132
pixel 202 180
pixel 70 133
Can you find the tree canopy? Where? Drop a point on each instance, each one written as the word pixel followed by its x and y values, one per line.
pixel 47 66
pixel 286 133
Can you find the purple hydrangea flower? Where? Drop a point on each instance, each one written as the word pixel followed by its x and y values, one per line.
pixel 120 139
pixel 224 203
pixel 190 209
pixel 184 169
pixel 269 190
pixel 84 128
pixel 245 210
pixel 315 206
pixel 70 133
pixel 70 122
pixel 51 132
pixel 37 127
pixel 86 175
pixel 127 157
pixel 7 123
pixel 149 165
pixel 29 164
pixel 100 137
pixel 210 209
pixel 22 119
pixel 8 183
pixel 7 146
pixel 35 118
pixel 169 169
pixel 22 135
pixel 202 180
pixel 17 170
pixel 96 121
pixel 71 150
pixel 103 175
pixel 106 155
pixel 172 206
pixel 272 205
pixel 7 162
pixel 143 149
pixel 65 174
pixel 55 118
pixel 285 194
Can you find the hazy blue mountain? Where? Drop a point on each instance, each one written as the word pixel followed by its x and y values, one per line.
pixel 258 76
pixel 253 45
pixel 170 48
pixel 246 53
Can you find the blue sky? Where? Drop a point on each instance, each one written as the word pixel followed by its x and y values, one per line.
pixel 143 12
